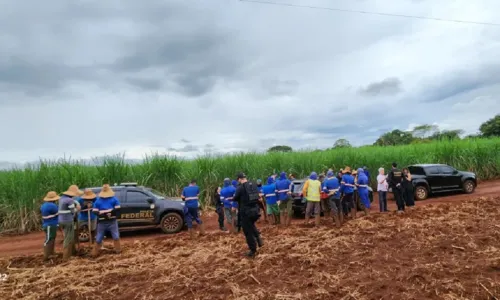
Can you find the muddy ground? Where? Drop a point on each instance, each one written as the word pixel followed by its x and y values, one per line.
pixel 435 251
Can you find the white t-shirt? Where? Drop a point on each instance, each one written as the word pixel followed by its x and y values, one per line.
pixel 382 186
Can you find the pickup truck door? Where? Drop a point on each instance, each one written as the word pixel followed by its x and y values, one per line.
pixel 451 179
pixel 136 210
pixel 434 178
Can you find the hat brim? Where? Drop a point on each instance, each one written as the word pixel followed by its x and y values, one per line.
pixel 89 197
pixel 51 199
pixel 106 194
pixel 70 193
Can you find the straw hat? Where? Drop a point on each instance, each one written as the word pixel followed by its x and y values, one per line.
pixel 88 194
pixel 73 191
pixel 346 170
pixel 51 196
pixel 106 192
pixel 354 172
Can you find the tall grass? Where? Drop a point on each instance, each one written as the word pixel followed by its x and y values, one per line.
pixel 21 190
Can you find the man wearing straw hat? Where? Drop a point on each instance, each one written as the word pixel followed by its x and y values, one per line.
pixel 67 209
pixel 49 212
pixel 86 217
pixel 106 207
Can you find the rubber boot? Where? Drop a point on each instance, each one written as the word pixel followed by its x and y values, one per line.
pixel 366 211
pixel 52 247
pixel 250 254
pixel 336 219
pixel 117 246
pixel 282 219
pixel 67 253
pixel 341 217
pixel 191 233
pixel 46 252
pixel 259 240
pixel 353 213
pixel 202 229
pixel 278 219
pixel 96 249
pixel 317 220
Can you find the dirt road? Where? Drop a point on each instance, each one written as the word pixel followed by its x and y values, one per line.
pixel 32 243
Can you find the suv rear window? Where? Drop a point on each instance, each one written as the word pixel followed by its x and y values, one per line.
pixel 416 170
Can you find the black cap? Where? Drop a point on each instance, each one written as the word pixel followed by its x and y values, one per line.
pixel 241 175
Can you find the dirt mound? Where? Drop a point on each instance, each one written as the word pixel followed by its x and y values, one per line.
pixel 432 252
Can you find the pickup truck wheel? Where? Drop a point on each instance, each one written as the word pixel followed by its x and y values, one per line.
pixel 469 186
pixel 421 192
pixel 83 235
pixel 171 223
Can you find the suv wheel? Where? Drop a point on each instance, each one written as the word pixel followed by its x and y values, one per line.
pixel 421 192
pixel 171 223
pixel 469 186
pixel 83 235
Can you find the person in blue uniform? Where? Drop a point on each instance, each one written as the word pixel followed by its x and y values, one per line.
pixel 226 196
pixel 347 188
pixel 363 192
pixel 269 192
pixel 284 199
pixel 107 208
pixel 190 196
pixel 86 203
pixel 331 187
pixel 50 222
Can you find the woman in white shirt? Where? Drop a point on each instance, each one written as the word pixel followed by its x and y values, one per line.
pixel 382 186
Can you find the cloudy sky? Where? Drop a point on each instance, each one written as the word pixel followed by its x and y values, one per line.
pixel 89 78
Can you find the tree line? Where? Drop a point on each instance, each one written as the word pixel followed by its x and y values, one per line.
pixel 419 134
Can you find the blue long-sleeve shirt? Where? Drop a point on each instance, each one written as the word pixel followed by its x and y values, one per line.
pixel 103 206
pixel 227 195
pixel 269 191
pixel 190 195
pixel 283 188
pixel 332 184
pixel 347 184
pixel 83 215
pixel 49 214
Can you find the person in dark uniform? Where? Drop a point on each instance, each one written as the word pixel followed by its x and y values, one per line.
pixel 219 208
pixel 409 197
pixel 247 195
pixel 395 178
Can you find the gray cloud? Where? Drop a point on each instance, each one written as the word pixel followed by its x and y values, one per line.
pixel 186 148
pixel 276 87
pixel 140 77
pixel 461 81
pixel 388 87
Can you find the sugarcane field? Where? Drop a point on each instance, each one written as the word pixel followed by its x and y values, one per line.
pixel 442 247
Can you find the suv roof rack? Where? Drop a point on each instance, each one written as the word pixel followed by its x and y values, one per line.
pixel 128 184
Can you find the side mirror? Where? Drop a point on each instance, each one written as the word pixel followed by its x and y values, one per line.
pixel 150 200
pixel 455 172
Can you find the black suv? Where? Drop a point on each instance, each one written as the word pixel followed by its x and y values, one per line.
pixel 435 178
pixel 144 207
pixel 299 204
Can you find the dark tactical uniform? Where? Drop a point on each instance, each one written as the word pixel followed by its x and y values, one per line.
pixel 247 195
pixel 395 179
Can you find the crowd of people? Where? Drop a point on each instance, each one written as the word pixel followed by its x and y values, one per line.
pixel 238 204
